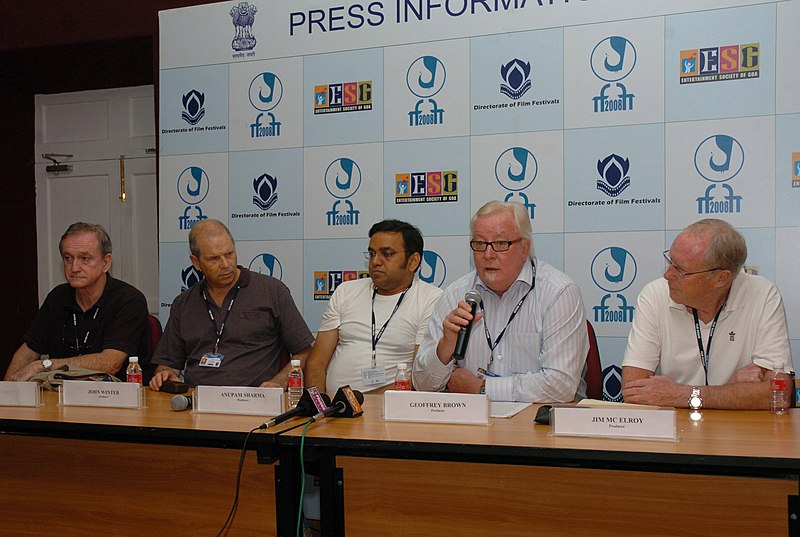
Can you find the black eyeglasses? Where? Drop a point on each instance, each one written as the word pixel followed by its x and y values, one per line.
pixel 682 273
pixel 497 246
pixel 385 254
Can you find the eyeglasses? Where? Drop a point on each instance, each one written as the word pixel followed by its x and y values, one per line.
pixel 497 246
pixel 386 254
pixel 683 273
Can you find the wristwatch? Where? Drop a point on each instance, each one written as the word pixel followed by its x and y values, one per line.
pixel 482 391
pixel 47 364
pixel 695 401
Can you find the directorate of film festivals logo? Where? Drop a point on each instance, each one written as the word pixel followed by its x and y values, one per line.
pixel 614 178
pixel 243 16
pixel 265 188
pixel 712 64
pixel 343 97
pixel 613 270
pixel 326 281
pixel 189 277
pixel 515 170
pixel 426 187
pixel 265 93
pixel 516 78
pixel 612 60
pixel 266 264
pixel 193 109
pixel 342 181
pixel 425 78
pixel 193 187
pixel 718 159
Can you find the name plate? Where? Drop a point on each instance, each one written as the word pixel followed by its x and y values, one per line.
pixel 238 400
pixel 105 394
pixel 434 407
pixel 20 394
pixel 641 423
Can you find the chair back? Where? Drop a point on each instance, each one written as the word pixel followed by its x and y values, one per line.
pixel 594 369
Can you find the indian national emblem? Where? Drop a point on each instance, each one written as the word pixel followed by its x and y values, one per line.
pixel 243 17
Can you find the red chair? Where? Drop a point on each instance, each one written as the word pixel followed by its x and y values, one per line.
pixel 594 369
pixel 154 330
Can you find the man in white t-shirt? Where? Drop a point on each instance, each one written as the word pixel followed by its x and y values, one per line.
pixel 706 334
pixel 392 304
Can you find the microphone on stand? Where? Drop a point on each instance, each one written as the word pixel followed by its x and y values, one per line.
pixel 346 404
pixel 311 402
pixel 472 298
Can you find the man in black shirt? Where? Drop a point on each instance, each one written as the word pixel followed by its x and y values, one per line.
pixel 92 321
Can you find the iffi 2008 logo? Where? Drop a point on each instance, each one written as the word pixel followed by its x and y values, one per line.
pixel 193 187
pixel 266 264
pixel 265 92
pixel 612 60
pixel 516 169
pixel 613 270
pixel 432 268
pixel 718 159
pixel 342 180
pixel 425 78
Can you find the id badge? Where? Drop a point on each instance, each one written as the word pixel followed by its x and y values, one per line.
pixel 371 377
pixel 211 359
pixel 483 373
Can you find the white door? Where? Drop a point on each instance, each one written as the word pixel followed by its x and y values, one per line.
pixel 96 128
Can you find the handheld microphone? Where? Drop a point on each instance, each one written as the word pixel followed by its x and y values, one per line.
pixel 311 402
pixel 472 298
pixel 346 404
pixel 181 402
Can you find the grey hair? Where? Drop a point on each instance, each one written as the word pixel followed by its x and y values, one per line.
pixel 726 246
pixel 206 227
pixel 516 209
pixel 103 240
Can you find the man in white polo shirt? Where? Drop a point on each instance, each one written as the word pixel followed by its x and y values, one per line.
pixel 706 298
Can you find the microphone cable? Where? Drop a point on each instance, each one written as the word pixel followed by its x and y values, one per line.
pixel 232 512
pixel 302 476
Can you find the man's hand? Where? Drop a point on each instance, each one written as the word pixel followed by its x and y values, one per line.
pixel 656 390
pixel 748 373
pixel 162 374
pixel 25 372
pixel 270 384
pixel 451 326
pixel 462 381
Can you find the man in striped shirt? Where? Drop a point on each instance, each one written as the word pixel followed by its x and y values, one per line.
pixel 529 340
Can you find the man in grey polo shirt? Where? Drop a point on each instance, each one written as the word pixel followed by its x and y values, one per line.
pixel 230 329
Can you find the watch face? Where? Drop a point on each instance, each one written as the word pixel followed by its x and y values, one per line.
pixel 695 402
pixel 47 364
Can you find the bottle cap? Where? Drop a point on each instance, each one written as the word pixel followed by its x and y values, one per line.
pixel 402 366
pixel 295 363
pixel 134 359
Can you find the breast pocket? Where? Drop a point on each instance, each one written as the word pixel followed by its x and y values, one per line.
pixel 250 327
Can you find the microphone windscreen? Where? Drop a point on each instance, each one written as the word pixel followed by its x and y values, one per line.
pixel 473 296
pixel 181 402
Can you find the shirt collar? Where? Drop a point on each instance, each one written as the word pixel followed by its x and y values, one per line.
pixel 524 279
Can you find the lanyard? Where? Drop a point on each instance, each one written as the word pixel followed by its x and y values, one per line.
pixel 219 330
pixel 75 330
pixel 377 338
pixel 492 346
pixel 705 354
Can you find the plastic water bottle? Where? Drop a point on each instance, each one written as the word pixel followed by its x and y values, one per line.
pixel 779 383
pixel 295 384
pixel 134 371
pixel 403 379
